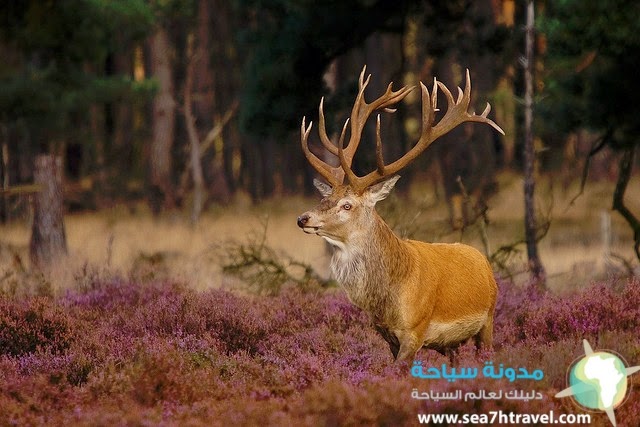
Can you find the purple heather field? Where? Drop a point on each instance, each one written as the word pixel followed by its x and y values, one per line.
pixel 119 352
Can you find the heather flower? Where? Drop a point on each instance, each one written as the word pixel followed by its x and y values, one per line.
pixel 163 354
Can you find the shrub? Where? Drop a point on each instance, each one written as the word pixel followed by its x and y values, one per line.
pixel 530 315
pixel 33 324
pixel 122 353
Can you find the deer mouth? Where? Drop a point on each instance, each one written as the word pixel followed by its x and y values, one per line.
pixel 310 230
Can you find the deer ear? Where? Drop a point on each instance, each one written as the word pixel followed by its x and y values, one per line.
pixel 381 190
pixel 324 189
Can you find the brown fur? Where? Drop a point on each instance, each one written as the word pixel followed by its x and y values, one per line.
pixel 418 294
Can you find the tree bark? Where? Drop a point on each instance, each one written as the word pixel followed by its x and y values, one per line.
pixel 538 274
pixel 48 239
pixel 163 122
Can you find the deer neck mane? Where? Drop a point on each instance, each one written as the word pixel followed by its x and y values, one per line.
pixel 369 264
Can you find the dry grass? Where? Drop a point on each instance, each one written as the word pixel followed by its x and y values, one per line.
pixel 573 251
pixel 136 244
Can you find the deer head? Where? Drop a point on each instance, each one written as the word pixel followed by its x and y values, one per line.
pixel 343 215
pixel 345 204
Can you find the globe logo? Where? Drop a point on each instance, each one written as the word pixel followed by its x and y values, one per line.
pixel 598 381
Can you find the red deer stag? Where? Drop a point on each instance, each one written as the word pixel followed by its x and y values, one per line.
pixel 417 294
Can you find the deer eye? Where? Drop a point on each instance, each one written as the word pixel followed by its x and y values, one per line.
pixel 346 206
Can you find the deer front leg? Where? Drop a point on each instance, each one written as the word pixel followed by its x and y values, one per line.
pixel 409 346
pixel 390 338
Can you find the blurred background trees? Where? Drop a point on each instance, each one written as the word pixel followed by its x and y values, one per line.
pixel 593 57
pixel 125 91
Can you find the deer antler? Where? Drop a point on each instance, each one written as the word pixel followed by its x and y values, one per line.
pixel 359 114
pixel 457 113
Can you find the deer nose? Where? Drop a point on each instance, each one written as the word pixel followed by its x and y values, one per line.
pixel 302 220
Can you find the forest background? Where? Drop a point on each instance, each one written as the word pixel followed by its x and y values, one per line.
pixel 180 290
pixel 183 105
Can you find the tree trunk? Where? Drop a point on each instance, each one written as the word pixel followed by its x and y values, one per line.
pixel 203 72
pixel 505 99
pixel 383 56
pixel 230 150
pixel 97 128
pixel 48 240
pixel 122 126
pixel 4 167
pixel 538 274
pixel 225 83
pixel 453 150
pixel 194 139
pixel 204 99
pixel 251 165
pixel 268 158
pixel 163 122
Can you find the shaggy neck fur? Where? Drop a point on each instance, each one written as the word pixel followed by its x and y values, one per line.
pixel 362 265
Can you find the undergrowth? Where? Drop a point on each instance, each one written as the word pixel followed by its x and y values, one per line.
pixel 262 268
pixel 116 351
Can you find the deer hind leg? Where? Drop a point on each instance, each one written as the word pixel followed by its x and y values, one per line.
pixel 484 337
pixel 452 353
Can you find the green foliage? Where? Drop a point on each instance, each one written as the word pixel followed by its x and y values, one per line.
pixel 34 326
pixel 592 61
pixel 58 51
pixel 292 43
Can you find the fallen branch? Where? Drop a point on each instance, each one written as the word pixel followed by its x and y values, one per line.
pixel 624 175
pixel 263 268
pixel 21 189
pixel 215 132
